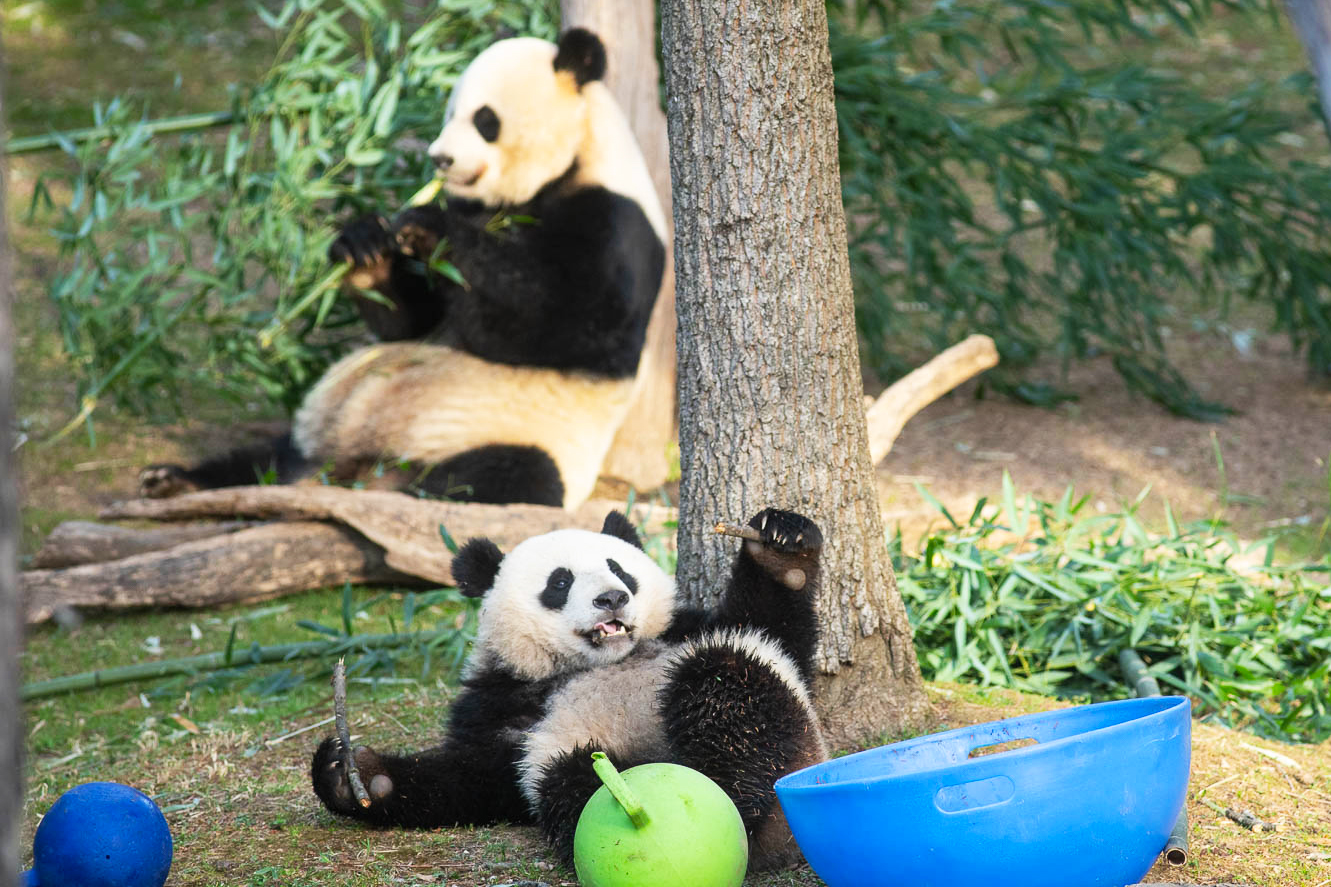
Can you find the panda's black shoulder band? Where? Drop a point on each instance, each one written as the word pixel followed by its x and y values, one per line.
pixel 475 567
pixel 582 53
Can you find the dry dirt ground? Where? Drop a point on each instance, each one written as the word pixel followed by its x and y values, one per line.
pixel 1112 443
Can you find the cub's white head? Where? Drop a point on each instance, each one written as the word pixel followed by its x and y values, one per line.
pixel 564 601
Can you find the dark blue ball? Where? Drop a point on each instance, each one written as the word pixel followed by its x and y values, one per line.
pixel 101 834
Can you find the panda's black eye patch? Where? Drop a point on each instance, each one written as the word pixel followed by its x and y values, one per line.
pixel 557 585
pixel 629 582
pixel 486 122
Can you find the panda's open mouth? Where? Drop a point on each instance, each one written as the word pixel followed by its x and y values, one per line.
pixel 609 630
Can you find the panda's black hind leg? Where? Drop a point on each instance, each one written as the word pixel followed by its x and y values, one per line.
pixel 567 783
pixel 276 460
pixel 736 710
pixel 499 474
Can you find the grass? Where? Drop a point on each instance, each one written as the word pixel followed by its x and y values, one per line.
pixel 226 754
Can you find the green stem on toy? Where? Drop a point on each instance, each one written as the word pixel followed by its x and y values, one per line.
pixel 619 788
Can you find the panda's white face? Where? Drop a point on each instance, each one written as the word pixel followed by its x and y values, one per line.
pixel 571 599
pixel 513 123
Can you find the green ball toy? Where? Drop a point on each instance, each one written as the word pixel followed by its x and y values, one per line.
pixel 659 825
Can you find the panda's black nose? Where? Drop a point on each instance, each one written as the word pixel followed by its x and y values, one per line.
pixel 442 161
pixel 611 600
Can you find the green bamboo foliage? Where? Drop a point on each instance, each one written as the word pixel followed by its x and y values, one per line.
pixel 198 259
pixel 997 179
pixel 1043 596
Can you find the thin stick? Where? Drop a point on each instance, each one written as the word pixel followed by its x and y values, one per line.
pixel 726 529
pixel 344 733
pixel 1242 817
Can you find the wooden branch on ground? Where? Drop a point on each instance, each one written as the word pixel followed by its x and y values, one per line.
pixel 379 537
pixel 406 527
pixel 922 386
pixel 85 542
pixel 248 565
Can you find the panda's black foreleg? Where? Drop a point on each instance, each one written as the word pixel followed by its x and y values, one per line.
pixel 567 783
pixel 392 261
pixel 774 582
pixel 735 709
pixel 445 786
pixel 272 461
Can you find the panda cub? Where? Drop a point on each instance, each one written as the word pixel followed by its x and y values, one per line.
pixel 509 385
pixel 582 646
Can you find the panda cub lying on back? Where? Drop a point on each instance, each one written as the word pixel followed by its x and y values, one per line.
pixel 582 646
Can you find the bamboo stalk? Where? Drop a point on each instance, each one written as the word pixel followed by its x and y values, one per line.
pixel 1144 684
pixel 344 733
pixel 724 529
pixel 214 661
pixel 183 123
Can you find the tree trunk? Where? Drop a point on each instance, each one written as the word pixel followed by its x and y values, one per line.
pixel 770 395
pixel 11 769
pixel 1312 21
pixel 628 29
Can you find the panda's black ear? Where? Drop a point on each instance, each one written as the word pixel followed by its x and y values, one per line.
pixel 618 526
pixel 475 567
pixel 582 53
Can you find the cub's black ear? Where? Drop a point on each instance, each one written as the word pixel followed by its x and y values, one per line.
pixel 618 526
pixel 475 567
pixel 582 53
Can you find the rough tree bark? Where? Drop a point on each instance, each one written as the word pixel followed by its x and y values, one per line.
pixel 770 397
pixel 1312 21
pixel 628 29
pixel 11 771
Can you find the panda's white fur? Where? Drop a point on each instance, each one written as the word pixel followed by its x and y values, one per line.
pixel 515 629
pixel 533 148
pixel 615 706
pixel 571 416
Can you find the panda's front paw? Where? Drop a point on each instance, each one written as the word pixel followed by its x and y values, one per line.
pixel 788 547
pixel 328 773
pixel 364 243
pixel 786 531
pixel 419 229
pixel 164 481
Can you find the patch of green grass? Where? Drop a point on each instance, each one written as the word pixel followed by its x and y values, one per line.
pixel 103 722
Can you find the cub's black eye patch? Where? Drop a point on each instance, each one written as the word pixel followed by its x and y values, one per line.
pixel 557 585
pixel 486 122
pixel 629 581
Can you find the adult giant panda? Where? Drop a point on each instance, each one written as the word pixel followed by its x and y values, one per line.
pixel 582 646
pixel 509 386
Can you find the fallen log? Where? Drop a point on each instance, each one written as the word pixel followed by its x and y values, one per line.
pixel 85 542
pixel 248 565
pixel 922 386
pixel 407 527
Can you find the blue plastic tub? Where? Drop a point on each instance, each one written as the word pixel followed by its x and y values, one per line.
pixel 1090 805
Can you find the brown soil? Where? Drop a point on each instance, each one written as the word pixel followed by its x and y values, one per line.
pixel 1113 443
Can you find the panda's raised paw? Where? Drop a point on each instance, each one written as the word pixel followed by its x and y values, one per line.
pixel 786 531
pixel 164 481
pixel 788 547
pixel 332 784
pixel 362 242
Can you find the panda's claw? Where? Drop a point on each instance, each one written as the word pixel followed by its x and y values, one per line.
pixel 363 241
pixel 786 531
